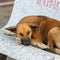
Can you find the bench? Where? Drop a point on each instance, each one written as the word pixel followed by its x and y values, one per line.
pixel 8 46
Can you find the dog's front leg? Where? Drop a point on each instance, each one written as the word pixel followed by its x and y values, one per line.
pixel 42 46
pixel 18 40
pixel 39 45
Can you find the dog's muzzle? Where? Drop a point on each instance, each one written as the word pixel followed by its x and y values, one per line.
pixel 26 42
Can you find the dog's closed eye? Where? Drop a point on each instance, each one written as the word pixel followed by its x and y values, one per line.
pixel 21 34
pixel 28 32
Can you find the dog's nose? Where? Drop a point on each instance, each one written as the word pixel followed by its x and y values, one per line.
pixel 26 42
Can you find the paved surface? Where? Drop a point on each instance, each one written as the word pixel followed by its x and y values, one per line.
pixel 5 0
pixel 5 13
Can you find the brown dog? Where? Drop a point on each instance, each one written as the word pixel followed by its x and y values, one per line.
pixel 33 30
pixel 54 40
pixel 28 31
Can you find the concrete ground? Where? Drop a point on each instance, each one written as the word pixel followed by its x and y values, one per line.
pixel 5 12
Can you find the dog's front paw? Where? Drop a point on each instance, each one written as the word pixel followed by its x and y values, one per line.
pixel 40 45
pixel 18 41
pixel 34 44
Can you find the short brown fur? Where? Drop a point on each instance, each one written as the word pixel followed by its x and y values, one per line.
pixel 39 27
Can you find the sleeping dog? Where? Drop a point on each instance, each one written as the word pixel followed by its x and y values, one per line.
pixel 33 30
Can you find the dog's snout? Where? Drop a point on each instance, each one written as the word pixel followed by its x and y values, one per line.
pixel 26 42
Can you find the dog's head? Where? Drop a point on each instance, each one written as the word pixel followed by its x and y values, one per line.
pixel 24 32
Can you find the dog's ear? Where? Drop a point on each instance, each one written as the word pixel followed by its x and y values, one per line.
pixel 12 29
pixel 33 25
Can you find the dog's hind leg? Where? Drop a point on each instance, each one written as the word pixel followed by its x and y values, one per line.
pixel 53 41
